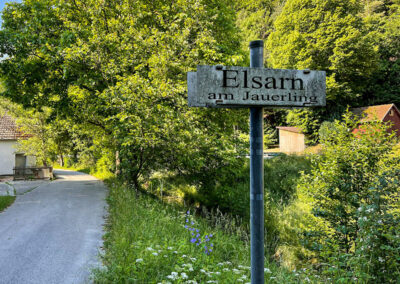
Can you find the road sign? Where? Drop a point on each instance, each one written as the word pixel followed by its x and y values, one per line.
pixel 255 87
pixel 222 86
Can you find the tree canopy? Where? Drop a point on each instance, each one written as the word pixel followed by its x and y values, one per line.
pixel 120 67
pixel 116 70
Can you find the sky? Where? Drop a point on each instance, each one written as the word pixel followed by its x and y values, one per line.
pixel 3 4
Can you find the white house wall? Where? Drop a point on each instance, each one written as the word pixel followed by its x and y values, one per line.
pixel 7 157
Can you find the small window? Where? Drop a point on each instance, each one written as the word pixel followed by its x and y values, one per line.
pixel 391 113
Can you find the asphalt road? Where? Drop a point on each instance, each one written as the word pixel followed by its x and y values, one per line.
pixel 52 234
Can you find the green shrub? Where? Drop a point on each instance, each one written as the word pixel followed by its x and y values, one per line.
pixel 352 186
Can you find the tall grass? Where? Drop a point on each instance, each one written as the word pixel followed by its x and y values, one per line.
pixel 148 241
pixel 231 197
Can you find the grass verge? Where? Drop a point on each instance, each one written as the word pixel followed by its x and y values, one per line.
pixel 148 241
pixel 6 201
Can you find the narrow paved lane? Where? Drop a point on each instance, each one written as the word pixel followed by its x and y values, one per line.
pixel 53 233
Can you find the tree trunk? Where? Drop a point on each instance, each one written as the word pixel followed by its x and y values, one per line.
pixel 61 160
pixel 117 163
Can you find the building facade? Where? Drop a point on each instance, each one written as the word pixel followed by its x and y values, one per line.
pixel 10 158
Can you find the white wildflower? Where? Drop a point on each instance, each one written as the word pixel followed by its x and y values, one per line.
pixel 236 271
pixel 272 277
pixel 218 273
pixel 220 264
pixel 175 252
pixel 239 280
pixel 228 262
pixel 307 279
pixel 170 248
pixel 184 255
pixel 193 259
pixel 225 269
pixel 155 253
pixel 165 255
pixel 173 276
pixel 202 270
pixel 139 260
pixel 244 276
pixel 184 275
pixel 381 259
pixel 267 270
pixel 149 249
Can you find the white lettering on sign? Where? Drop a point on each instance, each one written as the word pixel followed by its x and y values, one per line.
pixel 220 86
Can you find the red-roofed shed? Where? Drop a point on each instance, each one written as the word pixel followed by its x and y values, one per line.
pixel 384 113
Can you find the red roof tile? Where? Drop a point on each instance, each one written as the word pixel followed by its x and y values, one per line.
pixel 9 130
pixel 371 113
pixel 290 129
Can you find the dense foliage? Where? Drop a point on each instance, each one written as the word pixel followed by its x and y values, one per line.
pixel 102 83
pixel 116 71
pixel 354 186
pixel 355 42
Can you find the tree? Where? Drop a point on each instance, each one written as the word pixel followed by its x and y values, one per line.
pixel 383 18
pixel 119 67
pixel 255 19
pixel 327 35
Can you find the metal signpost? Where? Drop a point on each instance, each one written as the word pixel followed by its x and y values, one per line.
pixel 255 88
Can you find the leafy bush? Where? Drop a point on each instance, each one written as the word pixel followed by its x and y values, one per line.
pixel 327 130
pixel 352 186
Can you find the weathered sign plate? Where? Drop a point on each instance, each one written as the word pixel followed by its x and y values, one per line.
pixel 222 86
